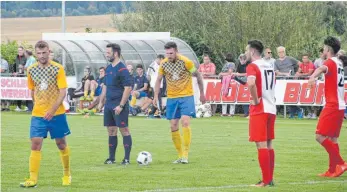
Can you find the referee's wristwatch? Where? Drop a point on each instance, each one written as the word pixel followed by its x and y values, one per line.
pixel 121 106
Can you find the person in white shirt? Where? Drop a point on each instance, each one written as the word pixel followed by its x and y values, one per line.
pixel 152 74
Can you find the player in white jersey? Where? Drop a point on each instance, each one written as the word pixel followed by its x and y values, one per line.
pixel 331 117
pixel 261 83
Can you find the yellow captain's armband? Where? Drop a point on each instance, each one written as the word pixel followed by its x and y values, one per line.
pixel 192 70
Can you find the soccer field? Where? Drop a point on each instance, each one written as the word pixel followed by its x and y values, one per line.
pixel 221 158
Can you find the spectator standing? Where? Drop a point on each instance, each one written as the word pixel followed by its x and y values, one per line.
pixel 241 73
pixel 5 104
pixel 285 65
pixel 268 56
pixel 207 68
pixel 306 68
pixel 20 59
pixel 319 62
pixel 30 59
pixel 226 74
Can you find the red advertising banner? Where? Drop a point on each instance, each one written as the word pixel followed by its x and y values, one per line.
pixel 14 88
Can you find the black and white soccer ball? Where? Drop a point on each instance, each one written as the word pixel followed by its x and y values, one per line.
pixel 144 158
pixel 203 110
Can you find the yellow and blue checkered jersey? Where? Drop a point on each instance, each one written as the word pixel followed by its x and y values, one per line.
pixel 46 82
pixel 178 76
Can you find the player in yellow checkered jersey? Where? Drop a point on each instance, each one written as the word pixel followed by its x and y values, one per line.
pixel 178 71
pixel 47 82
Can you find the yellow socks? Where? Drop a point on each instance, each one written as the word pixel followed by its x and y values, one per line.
pixel 85 93
pixel 176 138
pixel 65 159
pixel 34 164
pixel 92 93
pixel 187 138
pixel 133 101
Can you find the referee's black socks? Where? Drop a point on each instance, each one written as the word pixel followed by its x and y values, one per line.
pixel 112 145
pixel 127 142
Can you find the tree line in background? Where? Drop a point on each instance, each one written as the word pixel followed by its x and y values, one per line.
pixel 11 9
pixel 219 27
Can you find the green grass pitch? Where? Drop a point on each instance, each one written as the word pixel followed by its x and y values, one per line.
pixel 221 158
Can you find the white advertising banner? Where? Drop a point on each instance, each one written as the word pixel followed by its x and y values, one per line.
pixel 14 88
pixel 288 92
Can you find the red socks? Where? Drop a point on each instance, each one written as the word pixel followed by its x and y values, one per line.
pixel 334 154
pixel 272 163
pixel 264 162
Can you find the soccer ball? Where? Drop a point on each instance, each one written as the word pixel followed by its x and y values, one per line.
pixel 203 110
pixel 144 158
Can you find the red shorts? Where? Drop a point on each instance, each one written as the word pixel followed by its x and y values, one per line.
pixel 262 127
pixel 330 122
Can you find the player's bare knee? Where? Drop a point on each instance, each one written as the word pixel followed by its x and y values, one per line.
pixel 185 122
pixel 174 126
pixel 320 138
pixel 112 131
pixel 124 131
pixel 261 145
pixel 36 147
pixel 36 144
pixel 333 139
pixel 61 143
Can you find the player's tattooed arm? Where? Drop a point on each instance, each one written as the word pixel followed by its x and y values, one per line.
pixel 201 85
pixel 157 85
pixel 198 76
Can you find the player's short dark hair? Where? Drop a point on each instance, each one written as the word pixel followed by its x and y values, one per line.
pixel 333 42
pixel 115 48
pixel 139 66
pixel 229 57
pixel 41 44
pixel 160 56
pixel 170 45
pixel 103 68
pixel 30 53
pixel 256 44
pixel 21 47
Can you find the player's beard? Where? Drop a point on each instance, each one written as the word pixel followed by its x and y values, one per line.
pixel 111 59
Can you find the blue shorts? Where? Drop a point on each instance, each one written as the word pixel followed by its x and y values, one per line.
pixel 176 107
pixel 142 94
pixel 111 119
pixel 98 91
pixel 57 127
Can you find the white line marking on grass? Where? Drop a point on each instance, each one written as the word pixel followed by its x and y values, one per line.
pixel 243 186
